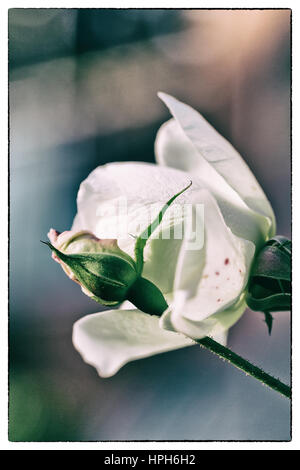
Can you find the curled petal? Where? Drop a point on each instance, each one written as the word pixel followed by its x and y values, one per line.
pixel 216 326
pixel 209 281
pixel 192 144
pixel 108 340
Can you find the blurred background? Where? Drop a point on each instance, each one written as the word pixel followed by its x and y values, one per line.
pixel 83 86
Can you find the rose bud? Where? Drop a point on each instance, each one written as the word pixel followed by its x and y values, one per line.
pixel 269 287
pixel 103 270
pixel 105 273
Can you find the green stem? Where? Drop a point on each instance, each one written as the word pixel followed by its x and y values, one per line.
pixel 148 298
pixel 245 366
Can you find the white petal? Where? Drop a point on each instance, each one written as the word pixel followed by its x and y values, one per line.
pixel 221 337
pixel 209 280
pixel 174 149
pixel 135 185
pixel 212 278
pixel 215 326
pixel 108 340
pixel 200 149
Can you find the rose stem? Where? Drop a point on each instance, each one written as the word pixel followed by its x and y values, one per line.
pixel 245 365
pixel 147 297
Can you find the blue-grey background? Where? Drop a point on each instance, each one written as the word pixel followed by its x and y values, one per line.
pixel 83 87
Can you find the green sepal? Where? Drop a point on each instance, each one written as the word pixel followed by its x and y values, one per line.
pixel 85 242
pixel 269 288
pixel 282 243
pixel 269 321
pixel 146 234
pixel 106 275
pixel 106 303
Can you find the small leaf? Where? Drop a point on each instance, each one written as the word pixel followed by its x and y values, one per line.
pixel 269 321
pixel 146 234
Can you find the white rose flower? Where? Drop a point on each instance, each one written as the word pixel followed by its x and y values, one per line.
pixel 205 287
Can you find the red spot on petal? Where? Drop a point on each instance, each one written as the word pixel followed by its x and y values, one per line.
pixel 226 261
pixel 219 300
pixel 217 273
